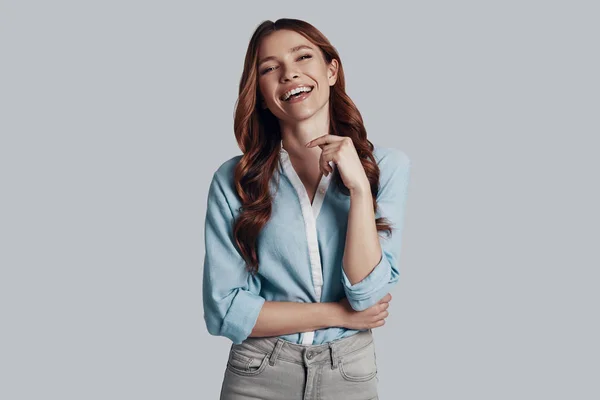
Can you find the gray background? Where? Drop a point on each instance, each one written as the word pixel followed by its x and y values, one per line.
pixel 114 115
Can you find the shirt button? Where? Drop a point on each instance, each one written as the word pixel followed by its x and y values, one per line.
pixel 322 190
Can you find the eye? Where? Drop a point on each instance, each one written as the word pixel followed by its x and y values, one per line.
pixel 264 71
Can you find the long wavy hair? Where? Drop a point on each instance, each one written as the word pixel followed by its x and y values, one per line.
pixel 258 134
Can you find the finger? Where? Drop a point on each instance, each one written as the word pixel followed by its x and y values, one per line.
pixel 379 323
pixel 386 298
pixel 313 142
pixel 324 140
pixel 330 155
pixel 382 308
pixel 327 167
pixel 324 162
pixel 381 316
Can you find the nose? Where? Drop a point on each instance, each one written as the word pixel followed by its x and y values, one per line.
pixel 288 74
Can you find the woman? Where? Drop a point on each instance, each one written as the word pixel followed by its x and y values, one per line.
pixel 307 198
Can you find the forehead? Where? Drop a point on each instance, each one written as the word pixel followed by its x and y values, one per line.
pixel 278 43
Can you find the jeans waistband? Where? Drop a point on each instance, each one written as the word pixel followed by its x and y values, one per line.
pixel 307 354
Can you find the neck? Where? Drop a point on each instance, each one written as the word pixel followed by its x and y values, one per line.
pixel 296 134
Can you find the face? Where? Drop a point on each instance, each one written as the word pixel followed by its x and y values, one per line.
pixel 284 70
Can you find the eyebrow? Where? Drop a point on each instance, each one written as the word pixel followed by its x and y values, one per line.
pixel 293 49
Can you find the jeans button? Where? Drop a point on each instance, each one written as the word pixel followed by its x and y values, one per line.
pixel 309 355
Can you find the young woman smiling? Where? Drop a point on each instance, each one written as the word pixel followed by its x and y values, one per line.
pixel 307 198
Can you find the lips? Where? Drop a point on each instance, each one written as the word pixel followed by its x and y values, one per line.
pixel 295 87
pixel 299 98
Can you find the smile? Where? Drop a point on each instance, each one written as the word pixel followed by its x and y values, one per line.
pixel 298 97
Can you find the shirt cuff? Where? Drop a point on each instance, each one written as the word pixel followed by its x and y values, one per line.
pixel 241 316
pixel 371 289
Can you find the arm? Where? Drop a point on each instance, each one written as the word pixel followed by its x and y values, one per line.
pixel 370 264
pixel 282 318
pixel 230 293
pixel 232 305
pixel 362 250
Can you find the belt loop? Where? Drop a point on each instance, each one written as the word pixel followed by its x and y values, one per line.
pixel 275 352
pixel 333 356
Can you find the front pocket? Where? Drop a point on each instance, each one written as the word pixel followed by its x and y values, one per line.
pixel 246 365
pixel 359 366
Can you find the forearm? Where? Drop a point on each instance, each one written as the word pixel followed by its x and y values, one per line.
pixel 362 250
pixel 283 317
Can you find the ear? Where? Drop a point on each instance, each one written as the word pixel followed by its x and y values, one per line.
pixel 332 72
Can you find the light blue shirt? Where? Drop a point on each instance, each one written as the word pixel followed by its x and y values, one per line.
pixel 300 249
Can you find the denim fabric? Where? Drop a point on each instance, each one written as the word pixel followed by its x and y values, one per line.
pixel 271 368
pixel 300 248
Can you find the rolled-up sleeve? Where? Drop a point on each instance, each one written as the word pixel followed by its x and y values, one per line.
pixel 391 202
pixel 230 293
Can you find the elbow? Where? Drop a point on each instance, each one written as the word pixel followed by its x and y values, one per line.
pixel 373 287
pixel 213 325
pixel 234 318
pixel 361 303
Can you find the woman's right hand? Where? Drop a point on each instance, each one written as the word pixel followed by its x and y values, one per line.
pixel 372 317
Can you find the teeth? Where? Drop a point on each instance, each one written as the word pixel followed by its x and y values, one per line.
pixel 287 95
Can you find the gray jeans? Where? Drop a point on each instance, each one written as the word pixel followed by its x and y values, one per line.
pixel 270 368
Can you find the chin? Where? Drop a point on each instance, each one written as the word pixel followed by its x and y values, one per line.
pixel 302 115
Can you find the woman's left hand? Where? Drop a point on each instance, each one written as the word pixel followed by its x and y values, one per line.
pixel 341 150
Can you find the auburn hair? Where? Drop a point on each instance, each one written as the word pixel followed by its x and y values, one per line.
pixel 259 137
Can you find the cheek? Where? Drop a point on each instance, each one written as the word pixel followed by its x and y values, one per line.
pixel 319 76
pixel 266 90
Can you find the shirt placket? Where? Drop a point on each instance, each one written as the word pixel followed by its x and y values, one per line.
pixel 310 212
